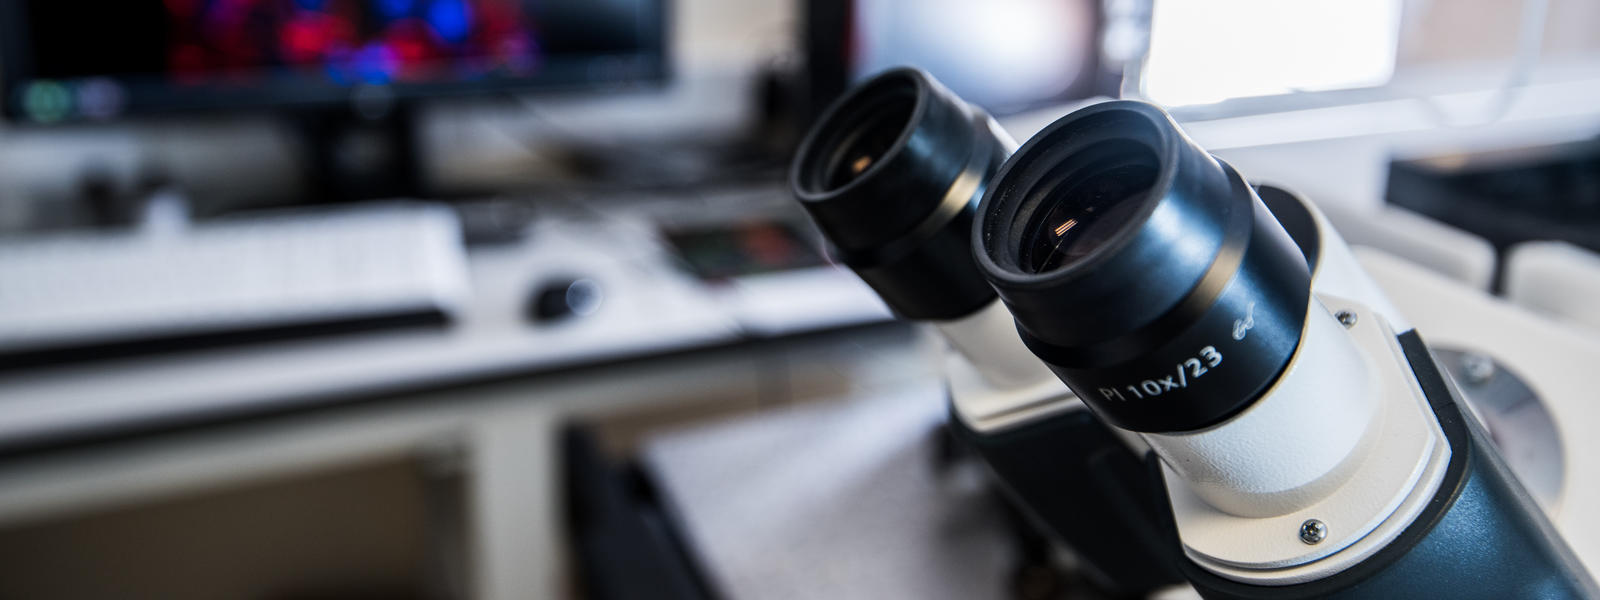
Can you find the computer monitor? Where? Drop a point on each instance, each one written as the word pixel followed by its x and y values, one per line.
pixel 1004 55
pixel 62 60
pixel 332 66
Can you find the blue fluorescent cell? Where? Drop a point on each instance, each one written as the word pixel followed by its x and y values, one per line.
pixel 452 19
pixel 100 98
pixel 375 63
pixel 394 9
pixel 310 4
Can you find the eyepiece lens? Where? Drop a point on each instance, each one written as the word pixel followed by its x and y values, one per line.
pixel 1086 207
pixel 865 143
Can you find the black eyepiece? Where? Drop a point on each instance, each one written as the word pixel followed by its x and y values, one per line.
pixel 1145 272
pixel 1076 216
pixel 892 173
pixel 865 137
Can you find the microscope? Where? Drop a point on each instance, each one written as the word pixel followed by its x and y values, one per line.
pixel 1243 409
pixel 892 174
pixel 1302 440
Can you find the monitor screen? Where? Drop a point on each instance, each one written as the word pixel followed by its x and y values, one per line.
pixel 62 60
pixel 1004 55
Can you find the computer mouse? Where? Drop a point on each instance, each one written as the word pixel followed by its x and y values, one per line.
pixel 563 298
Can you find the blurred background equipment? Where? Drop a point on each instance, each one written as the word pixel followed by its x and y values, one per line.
pixel 1508 196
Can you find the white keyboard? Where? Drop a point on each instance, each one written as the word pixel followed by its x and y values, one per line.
pixel 279 274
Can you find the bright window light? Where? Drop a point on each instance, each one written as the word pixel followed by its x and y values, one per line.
pixel 1203 52
pixel 998 54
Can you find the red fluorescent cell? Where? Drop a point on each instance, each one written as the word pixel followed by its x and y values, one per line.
pixel 305 38
pixel 412 42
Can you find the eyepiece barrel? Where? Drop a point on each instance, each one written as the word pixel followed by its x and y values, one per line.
pixel 1146 273
pixel 892 173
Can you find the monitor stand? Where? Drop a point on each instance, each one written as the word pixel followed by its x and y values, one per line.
pixel 351 156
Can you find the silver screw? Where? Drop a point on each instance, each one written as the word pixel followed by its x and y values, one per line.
pixel 1477 368
pixel 1346 318
pixel 1313 531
